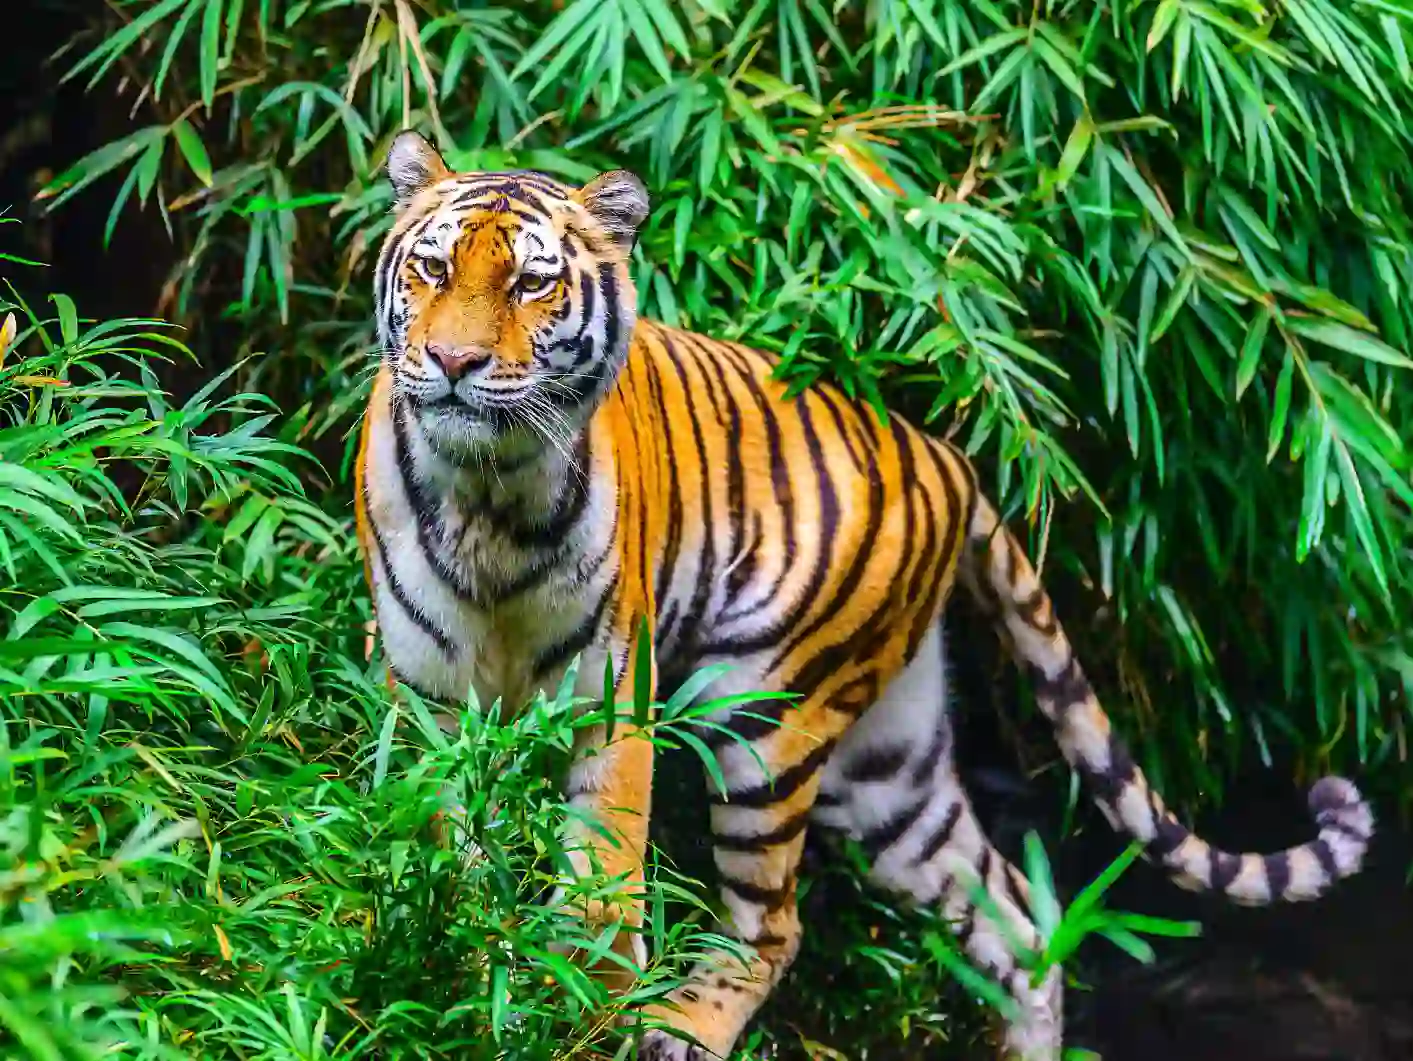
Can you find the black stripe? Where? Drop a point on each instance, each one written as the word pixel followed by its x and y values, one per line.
pixel 1344 828
pixel 566 513
pixel 390 271
pixel 569 506
pixel 1223 870
pixel 1171 834
pixel 1017 887
pixel 411 608
pixel 881 837
pixel 827 397
pixel 1064 691
pixel 667 566
pixel 559 655
pixel 490 197
pixel 983 870
pixel 1108 785
pixel 665 628
pixel 878 630
pixel 938 838
pixel 645 449
pixel 770 898
pixel 789 618
pixel 422 509
pixel 785 784
pixel 917 561
pixel 706 562
pixel 941 528
pixel 780 481
pixel 1277 869
pixel 608 288
pixel 765 939
pixel 701 348
pixel 858 695
pixel 1324 854
pixel 510 181
pixel 938 748
pixel 973 487
pixel 754 842
pixel 876 764
pixel 592 245
pixel 814 671
pixel 735 473
pixel 583 343
pixel 967 927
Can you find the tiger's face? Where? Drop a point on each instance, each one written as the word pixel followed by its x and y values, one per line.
pixel 505 305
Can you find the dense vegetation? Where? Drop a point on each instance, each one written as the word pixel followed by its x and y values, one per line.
pixel 1150 261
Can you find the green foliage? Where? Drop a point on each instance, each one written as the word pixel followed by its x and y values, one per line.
pixel 216 827
pixel 1152 255
pixel 218 831
pixel 1149 257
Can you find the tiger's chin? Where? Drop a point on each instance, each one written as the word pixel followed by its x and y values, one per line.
pixel 469 435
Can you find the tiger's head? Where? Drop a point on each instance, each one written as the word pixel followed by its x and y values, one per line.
pixel 505 306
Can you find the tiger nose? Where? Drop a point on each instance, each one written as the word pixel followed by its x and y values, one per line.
pixel 459 360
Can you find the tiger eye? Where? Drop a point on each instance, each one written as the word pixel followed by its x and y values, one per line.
pixel 531 284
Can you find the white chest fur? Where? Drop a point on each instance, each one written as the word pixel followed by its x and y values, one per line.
pixel 472 596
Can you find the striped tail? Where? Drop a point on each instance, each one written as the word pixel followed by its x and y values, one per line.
pixel 1003 581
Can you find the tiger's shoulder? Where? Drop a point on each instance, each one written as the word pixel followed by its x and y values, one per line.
pixel 733 375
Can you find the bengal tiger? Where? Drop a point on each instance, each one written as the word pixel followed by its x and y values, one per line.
pixel 541 473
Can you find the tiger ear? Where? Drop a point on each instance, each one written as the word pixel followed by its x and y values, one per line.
pixel 413 165
pixel 618 201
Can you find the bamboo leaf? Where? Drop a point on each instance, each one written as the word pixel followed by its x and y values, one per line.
pixel 193 150
pixel 1341 337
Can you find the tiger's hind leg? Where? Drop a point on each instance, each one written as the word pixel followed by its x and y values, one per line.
pixel 892 786
pixel 758 830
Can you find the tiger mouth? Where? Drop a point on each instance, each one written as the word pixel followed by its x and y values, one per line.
pixel 497 417
pixel 501 411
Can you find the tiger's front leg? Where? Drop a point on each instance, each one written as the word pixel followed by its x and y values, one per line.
pixel 609 790
pixel 758 831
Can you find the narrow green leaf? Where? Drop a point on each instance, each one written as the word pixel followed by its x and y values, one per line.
pixel 1163 18
pixel 989 46
pixel 68 318
pixel 210 62
pixel 1281 406
pixel 643 676
pixel 383 753
pixel 193 150
pixel 1349 340
pixel 1251 349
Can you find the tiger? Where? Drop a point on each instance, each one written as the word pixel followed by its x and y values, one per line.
pixel 541 475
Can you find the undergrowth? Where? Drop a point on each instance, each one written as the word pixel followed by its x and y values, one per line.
pixel 222 836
